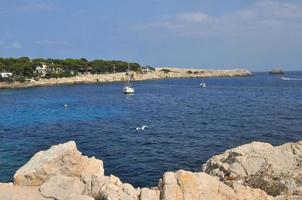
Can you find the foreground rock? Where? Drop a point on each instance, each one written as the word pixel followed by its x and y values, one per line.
pixel 62 159
pixel 184 185
pixel 8 191
pixel 109 188
pixel 276 170
pixel 248 172
pixel 63 188
pixel 149 194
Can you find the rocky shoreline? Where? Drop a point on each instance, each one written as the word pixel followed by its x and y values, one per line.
pixel 255 171
pixel 151 75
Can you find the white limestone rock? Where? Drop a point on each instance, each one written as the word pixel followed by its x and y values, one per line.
pixel 62 159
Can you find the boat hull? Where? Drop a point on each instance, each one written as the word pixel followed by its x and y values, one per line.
pixel 203 85
pixel 128 90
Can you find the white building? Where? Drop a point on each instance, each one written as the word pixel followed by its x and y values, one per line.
pixel 41 69
pixel 6 74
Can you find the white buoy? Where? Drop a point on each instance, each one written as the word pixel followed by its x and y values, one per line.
pixel 65 105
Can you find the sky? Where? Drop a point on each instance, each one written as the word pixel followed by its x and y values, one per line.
pixel 253 34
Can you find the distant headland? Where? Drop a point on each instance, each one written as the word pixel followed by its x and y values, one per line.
pixel 26 72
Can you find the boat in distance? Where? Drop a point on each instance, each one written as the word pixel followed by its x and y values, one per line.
pixel 203 84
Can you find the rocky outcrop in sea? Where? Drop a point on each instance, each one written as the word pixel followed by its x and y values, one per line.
pixel 256 171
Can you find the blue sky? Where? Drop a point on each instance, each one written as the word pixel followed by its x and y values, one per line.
pixel 253 34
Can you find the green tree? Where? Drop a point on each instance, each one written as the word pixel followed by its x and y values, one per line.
pixel 23 59
pixel 2 67
pixel 25 67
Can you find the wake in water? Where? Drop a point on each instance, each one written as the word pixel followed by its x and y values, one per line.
pixel 291 79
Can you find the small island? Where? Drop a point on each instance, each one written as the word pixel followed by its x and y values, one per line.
pixel 26 72
pixel 276 71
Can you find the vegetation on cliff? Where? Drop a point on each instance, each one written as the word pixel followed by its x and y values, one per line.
pixel 25 67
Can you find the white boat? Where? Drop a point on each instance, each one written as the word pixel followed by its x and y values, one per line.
pixel 203 84
pixel 128 88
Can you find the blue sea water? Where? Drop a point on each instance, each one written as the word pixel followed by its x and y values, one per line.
pixel 187 124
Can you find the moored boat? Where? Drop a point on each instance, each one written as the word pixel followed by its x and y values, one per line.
pixel 203 84
pixel 128 88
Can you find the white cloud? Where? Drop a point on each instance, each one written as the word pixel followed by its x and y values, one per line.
pixel 179 21
pixel 51 43
pixel 13 45
pixel 192 17
pixel 36 7
pixel 261 19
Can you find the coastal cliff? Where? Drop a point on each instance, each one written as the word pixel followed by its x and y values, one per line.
pixel 255 171
pixel 159 73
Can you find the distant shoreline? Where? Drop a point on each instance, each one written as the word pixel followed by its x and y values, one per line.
pixel 159 73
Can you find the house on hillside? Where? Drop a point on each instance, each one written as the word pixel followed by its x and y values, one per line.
pixel 85 71
pixel 6 74
pixel 54 70
pixel 41 69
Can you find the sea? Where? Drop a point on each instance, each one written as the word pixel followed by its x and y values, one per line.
pixel 187 124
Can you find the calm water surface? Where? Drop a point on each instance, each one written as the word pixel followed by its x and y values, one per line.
pixel 187 124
